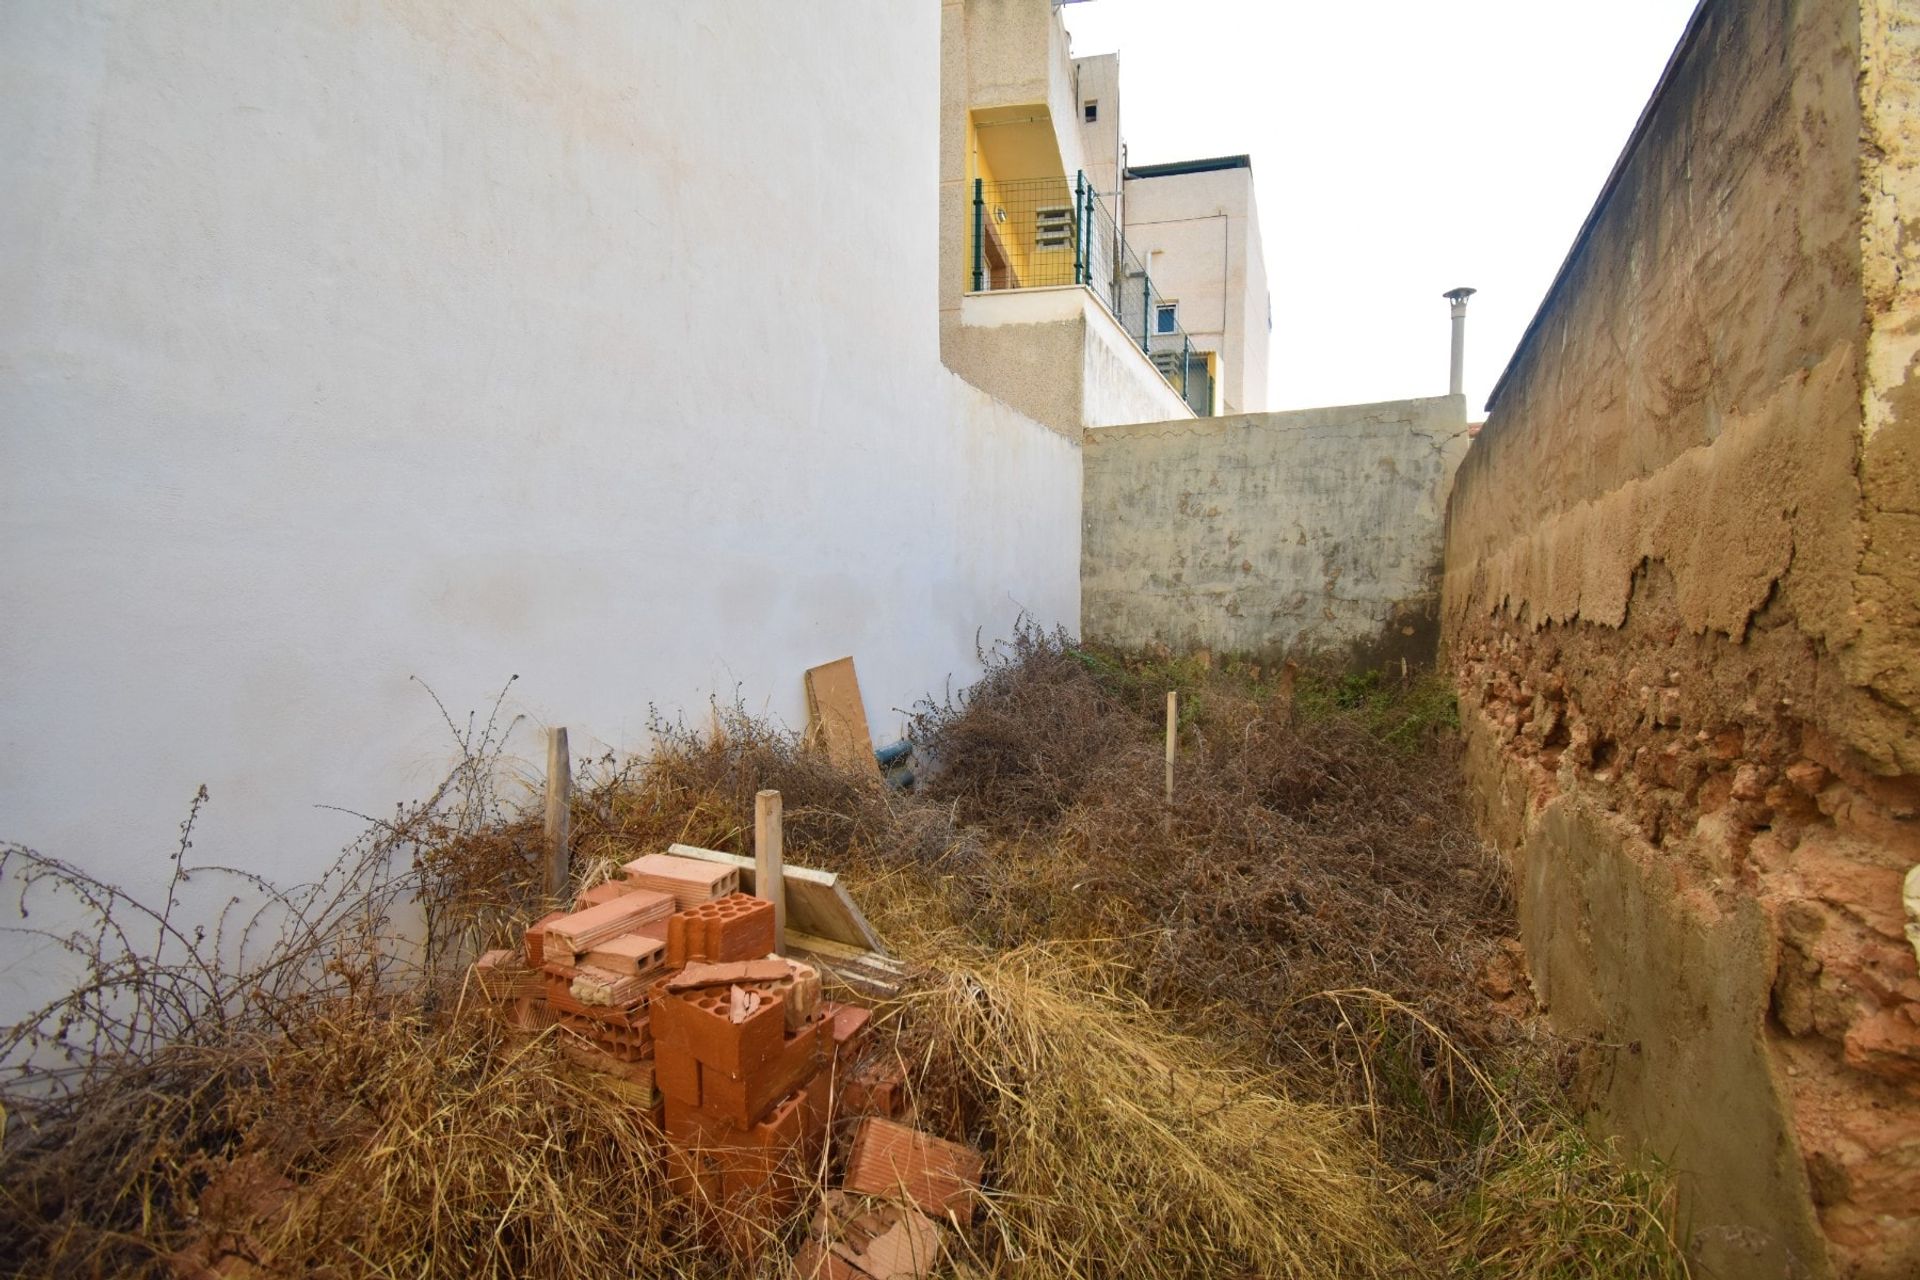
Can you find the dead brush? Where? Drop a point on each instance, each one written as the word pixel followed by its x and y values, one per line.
pixel 1239 1038
pixel 1119 1146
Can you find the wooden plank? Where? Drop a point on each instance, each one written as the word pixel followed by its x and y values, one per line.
pixel 768 854
pixel 1173 736
pixel 836 716
pixel 559 814
pixel 817 903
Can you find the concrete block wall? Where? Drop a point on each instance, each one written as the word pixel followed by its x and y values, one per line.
pixel 1313 532
pixel 1682 604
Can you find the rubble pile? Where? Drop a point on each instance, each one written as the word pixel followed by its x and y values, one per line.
pixel 667 982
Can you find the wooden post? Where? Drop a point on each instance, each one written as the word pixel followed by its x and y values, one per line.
pixel 559 813
pixel 769 875
pixel 1173 734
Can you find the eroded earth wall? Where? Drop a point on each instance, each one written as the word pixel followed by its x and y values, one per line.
pixel 1314 531
pixel 1682 601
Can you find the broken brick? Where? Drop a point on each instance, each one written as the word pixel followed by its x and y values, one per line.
pixel 890 1159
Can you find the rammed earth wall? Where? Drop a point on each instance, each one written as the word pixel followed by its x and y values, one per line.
pixel 1682 602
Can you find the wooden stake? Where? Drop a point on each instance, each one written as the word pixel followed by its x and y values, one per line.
pixel 1173 734
pixel 559 813
pixel 769 852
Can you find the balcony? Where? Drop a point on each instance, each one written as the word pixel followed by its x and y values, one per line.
pixel 1049 233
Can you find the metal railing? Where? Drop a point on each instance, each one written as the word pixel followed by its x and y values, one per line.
pixel 1040 232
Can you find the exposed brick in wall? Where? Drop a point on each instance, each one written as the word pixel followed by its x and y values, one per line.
pixel 1682 602
pixel 1702 746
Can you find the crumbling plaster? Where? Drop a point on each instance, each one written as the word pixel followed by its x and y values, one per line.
pixel 1682 604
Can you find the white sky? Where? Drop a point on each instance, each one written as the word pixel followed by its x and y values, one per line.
pixel 1400 148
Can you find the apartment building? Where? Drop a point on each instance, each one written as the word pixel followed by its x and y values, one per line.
pixel 1055 295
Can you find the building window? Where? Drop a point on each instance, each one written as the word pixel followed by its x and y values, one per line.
pixel 1166 318
pixel 1092 110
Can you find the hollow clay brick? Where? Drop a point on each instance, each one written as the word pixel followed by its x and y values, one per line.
pixel 631 953
pixel 689 881
pixel 494 973
pixel 939 1176
pixel 702 974
pixel 875 1088
pixel 606 891
pixel 536 937
pixel 581 931
pixel 675 1072
pixel 815 1261
pixel 847 1025
pixel 881 1242
pixel 737 1048
pixel 744 1100
pixel 735 927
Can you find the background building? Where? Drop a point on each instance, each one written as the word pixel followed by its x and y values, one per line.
pixel 1048 298
pixel 1197 227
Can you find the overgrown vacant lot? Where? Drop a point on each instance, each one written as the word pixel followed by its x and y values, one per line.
pixel 1273 1029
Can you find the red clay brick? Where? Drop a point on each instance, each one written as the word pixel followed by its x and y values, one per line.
pixel 536 937
pixel 887 1159
pixel 689 881
pixel 735 927
pixel 737 1048
pixel 847 1025
pixel 702 974
pixel 875 1088
pixel 631 953
pixel 581 931
pixel 606 891
pixel 675 1073
pixel 815 1261
pixel 745 1099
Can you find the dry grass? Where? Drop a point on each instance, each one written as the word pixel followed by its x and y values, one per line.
pixel 1243 1038
pixel 1121 1147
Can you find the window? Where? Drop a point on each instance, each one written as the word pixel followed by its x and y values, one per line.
pixel 1166 318
pixel 1092 110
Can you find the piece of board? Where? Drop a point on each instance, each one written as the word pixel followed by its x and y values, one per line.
pixel 836 716
pixel 817 903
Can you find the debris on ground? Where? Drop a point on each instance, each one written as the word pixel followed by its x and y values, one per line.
pixel 743 1066
pixel 1278 1027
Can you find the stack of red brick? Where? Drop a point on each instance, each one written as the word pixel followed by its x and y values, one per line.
pixel 665 980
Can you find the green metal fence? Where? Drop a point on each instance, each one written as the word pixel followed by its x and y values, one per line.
pixel 1039 232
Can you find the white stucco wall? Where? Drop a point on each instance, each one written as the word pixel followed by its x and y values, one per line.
pixel 1060 357
pixel 1119 383
pixel 342 345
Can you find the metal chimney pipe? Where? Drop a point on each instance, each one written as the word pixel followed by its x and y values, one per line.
pixel 1456 377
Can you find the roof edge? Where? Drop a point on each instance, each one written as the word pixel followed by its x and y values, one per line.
pixel 1688 39
pixel 1173 167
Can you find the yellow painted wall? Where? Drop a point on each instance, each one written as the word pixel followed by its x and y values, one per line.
pixel 1017 145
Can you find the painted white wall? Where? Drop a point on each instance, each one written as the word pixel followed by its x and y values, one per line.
pixel 1119 383
pixel 589 341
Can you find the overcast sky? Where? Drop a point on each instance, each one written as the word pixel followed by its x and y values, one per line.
pixel 1400 148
